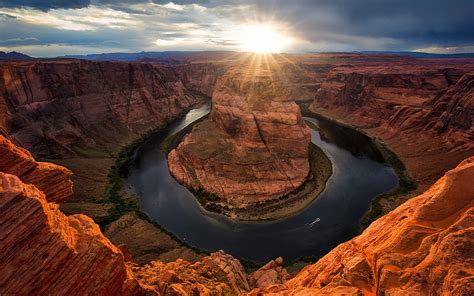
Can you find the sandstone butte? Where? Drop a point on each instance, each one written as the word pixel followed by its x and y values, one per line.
pixel 254 146
pixel 424 247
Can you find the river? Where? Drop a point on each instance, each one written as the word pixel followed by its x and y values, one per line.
pixel 329 220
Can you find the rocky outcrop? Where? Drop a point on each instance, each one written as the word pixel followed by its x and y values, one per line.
pixel 272 273
pixel 43 250
pixel 53 180
pixel 421 109
pixel 449 114
pixel 424 247
pixel 71 107
pixel 46 252
pixel 217 274
pixel 254 146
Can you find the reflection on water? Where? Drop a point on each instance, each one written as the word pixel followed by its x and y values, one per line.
pixel 331 219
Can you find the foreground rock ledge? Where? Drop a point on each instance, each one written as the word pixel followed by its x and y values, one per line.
pixel 424 247
pixel 254 146
pixel 45 252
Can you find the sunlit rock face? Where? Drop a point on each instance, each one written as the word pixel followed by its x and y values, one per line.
pixel 45 252
pixel 424 247
pixel 254 145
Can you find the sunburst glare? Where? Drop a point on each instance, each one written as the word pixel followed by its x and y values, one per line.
pixel 261 38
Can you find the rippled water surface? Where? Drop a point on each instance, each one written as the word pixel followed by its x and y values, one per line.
pixel 331 219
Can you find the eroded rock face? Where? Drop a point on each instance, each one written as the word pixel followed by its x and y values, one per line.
pixel 423 247
pixel 254 146
pixel 450 115
pixel 63 108
pixel 53 180
pixel 43 250
pixel 422 109
pixel 46 252
pixel 217 274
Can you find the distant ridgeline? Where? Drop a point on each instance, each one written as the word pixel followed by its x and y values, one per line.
pixel 13 55
pixel 169 55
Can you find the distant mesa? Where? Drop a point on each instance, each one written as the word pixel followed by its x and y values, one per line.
pixel 14 56
pixel 190 55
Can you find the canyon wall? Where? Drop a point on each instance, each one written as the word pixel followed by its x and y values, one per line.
pixel 44 251
pixel 424 247
pixel 254 146
pixel 61 108
pixel 47 252
pixel 422 109
pixel 450 115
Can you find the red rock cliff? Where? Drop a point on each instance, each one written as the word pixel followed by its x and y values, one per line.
pixel 424 247
pixel 422 109
pixel 53 180
pixel 68 107
pixel 44 251
pixel 47 252
pixel 254 146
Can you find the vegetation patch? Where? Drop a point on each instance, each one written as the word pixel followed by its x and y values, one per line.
pixel 124 203
pixel 406 184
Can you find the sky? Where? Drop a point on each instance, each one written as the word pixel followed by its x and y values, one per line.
pixel 51 28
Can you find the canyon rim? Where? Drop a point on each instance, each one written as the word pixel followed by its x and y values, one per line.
pixel 236 148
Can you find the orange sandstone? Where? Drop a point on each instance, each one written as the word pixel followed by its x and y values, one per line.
pixel 424 247
pixel 254 146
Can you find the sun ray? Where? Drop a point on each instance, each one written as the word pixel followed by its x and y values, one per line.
pixel 260 38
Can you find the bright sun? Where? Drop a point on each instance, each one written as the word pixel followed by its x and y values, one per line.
pixel 261 38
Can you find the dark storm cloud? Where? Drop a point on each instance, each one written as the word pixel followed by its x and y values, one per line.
pixel 45 4
pixel 410 22
pixel 322 24
pixel 20 41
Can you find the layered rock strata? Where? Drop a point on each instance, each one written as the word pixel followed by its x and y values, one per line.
pixel 47 252
pixel 424 247
pixel 62 108
pixel 53 180
pixel 450 115
pixel 421 109
pixel 254 146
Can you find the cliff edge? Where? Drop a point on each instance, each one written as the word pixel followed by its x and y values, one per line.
pixel 254 146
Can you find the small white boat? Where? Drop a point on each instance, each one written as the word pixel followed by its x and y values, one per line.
pixel 314 222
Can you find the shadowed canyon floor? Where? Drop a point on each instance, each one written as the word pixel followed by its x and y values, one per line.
pixel 79 114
